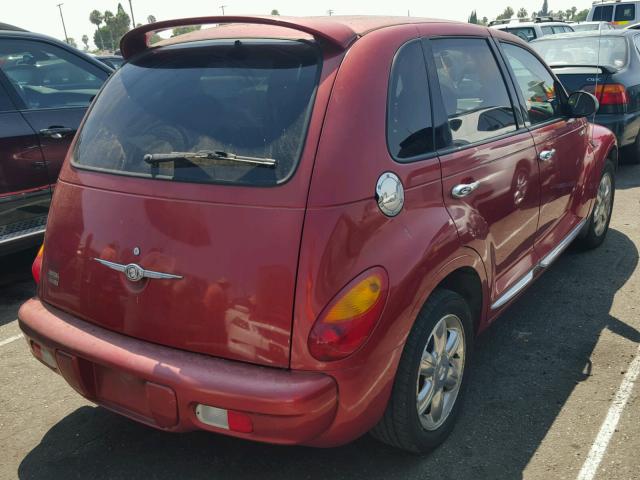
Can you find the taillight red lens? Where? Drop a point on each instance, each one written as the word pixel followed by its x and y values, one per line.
pixel 346 323
pixel 36 267
pixel 611 94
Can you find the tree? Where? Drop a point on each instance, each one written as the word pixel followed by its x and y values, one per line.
pixel 534 14
pixel 115 26
pixel 96 18
pixel 568 14
pixel 151 19
pixel 506 15
pixel 72 42
pixel 473 18
pixel 581 16
pixel 484 21
pixel 275 12
pixel 182 30
pixel 85 40
pixel 522 13
pixel 545 9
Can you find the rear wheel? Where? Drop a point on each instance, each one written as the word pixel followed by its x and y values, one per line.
pixel 598 224
pixel 431 377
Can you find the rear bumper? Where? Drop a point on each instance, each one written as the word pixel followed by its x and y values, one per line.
pixel 161 386
pixel 626 126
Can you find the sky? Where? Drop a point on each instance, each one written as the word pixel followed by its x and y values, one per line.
pixel 43 16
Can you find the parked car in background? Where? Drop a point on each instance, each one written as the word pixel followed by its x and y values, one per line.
pixel 529 30
pixel 45 88
pixel 612 61
pixel 113 61
pixel 592 26
pixel 614 11
pixel 178 286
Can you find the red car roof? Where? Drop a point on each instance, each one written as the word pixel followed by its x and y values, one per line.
pixel 337 32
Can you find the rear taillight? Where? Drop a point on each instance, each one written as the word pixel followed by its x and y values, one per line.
pixel 36 267
pixel 346 323
pixel 610 94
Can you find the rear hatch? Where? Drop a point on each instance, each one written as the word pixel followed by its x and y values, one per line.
pixel 188 165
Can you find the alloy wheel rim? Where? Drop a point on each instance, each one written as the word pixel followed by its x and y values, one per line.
pixel 602 209
pixel 440 372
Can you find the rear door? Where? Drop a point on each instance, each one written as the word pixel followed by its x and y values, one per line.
pixel 561 145
pixel 489 168
pixel 54 87
pixel 24 186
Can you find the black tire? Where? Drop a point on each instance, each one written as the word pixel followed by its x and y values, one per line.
pixel 401 425
pixel 592 236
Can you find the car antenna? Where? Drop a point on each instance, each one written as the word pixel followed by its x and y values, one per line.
pixel 596 85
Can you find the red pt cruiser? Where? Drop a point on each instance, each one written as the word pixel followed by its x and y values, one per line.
pixel 292 230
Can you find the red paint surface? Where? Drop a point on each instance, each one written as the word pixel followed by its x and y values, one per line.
pixel 260 265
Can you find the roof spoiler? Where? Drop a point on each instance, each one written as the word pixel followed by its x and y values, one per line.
pixel 605 68
pixel 335 35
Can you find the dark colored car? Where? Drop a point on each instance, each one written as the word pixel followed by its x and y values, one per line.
pixel 612 60
pixel 45 88
pixel 112 61
pixel 291 230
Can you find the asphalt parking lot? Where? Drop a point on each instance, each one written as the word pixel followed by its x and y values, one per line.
pixel 545 379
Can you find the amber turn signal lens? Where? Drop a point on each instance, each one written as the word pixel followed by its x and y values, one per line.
pixel 36 267
pixel 349 319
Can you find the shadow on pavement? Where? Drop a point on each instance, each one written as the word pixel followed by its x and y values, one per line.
pixel 16 283
pixel 525 368
pixel 628 176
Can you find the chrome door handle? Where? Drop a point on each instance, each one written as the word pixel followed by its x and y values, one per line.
pixel 547 155
pixel 464 189
pixel 56 132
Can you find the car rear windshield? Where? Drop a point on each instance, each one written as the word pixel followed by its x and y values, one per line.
pixel 223 111
pixel 584 51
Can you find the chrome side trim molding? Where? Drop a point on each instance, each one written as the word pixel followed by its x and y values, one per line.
pixel 566 241
pixel 21 235
pixel 544 263
pixel 513 291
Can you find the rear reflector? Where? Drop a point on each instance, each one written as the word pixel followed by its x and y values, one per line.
pixel 226 419
pixel 36 267
pixel 44 355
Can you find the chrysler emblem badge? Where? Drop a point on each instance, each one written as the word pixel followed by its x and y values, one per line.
pixel 133 272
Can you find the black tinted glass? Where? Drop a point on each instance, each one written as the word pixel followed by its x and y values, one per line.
pixel 625 12
pixel 5 102
pixel 603 14
pixel 409 125
pixel 473 89
pixel 536 84
pixel 48 76
pixel 250 98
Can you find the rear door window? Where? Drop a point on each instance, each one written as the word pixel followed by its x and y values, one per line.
pixel 547 30
pixel 625 12
pixel 473 90
pixel 48 76
pixel 536 84
pixel 220 111
pixel 409 121
pixel 525 33
pixel 602 14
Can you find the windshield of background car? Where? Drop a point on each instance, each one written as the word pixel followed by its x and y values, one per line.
pixel 250 98
pixel 584 51
pixel 525 33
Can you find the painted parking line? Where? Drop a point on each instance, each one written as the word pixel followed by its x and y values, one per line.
pixel 10 339
pixel 599 447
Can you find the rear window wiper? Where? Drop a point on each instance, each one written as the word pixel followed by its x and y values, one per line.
pixel 156 158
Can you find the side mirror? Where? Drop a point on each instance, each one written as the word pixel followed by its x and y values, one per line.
pixel 582 104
